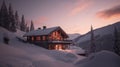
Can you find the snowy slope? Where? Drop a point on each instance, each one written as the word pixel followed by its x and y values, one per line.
pixel 16 57
pixel 73 36
pixel 98 32
pixel 20 54
pixel 103 37
pixel 100 59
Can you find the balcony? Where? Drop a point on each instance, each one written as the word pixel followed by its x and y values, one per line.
pixel 55 42
pixel 62 41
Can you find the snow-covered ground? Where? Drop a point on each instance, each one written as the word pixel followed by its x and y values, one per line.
pixel 75 49
pixel 100 59
pixel 22 54
pixel 17 57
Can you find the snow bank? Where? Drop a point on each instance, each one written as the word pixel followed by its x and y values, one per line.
pixel 75 50
pixel 100 59
pixel 63 56
pixel 19 33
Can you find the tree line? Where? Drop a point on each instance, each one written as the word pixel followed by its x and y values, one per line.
pixel 10 20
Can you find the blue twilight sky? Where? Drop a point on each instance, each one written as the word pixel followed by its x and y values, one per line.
pixel 74 16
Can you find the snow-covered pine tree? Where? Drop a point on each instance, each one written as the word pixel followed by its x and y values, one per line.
pixel 23 24
pixel 27 30
pixel 4 16
pixel 17 20
pixel 31 26
pixel 12 19
pixel 116 41
pixel 26 26
pixel 92 42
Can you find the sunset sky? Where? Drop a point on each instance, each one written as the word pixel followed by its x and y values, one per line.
pixel 74 16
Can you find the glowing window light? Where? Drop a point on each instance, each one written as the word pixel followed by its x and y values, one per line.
pixel 32 38
pixel 38 38
pixel 44 38
pixel 58 47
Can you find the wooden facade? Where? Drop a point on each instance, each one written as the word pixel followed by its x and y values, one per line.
pixel 55 39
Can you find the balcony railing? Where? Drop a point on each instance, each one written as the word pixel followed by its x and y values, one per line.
pixel 62 41
pixel 55 41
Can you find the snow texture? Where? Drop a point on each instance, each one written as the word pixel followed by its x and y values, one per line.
pixel 100 59
pixel 75 50
pixel 21 54
pixel 46 31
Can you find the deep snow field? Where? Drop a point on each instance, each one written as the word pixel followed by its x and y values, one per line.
pixel 22 54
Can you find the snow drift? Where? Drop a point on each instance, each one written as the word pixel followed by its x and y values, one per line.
pixel 100 59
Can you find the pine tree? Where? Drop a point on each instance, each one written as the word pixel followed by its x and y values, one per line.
pixel 92 42
pixel 31 26
pixel 0 19
pixel 23 25
pixel 27 30
pixel 12 19
pixel 4 16
pixel 17 21
pixel 116 41
pixel 26 26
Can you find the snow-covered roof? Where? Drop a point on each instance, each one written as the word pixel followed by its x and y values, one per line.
pixel 46 31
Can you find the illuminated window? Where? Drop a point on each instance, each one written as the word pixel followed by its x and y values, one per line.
pixel 58 47
pixel 32 38
pixel 43 38
pixel 53 34
pixel 57 33
pixel 38 38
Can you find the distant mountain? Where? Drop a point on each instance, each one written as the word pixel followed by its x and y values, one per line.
pixel 104 39
pixel 73 36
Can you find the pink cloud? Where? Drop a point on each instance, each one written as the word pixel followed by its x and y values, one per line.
pixel 80 6
pixel 41 21
pixel 111 13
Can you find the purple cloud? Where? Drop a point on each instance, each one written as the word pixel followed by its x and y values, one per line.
pixel 109 13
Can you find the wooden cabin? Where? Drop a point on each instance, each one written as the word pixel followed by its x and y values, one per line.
pixel 49 38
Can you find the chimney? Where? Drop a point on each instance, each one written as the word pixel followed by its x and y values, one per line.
pixel 39 28
pixel 44 27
